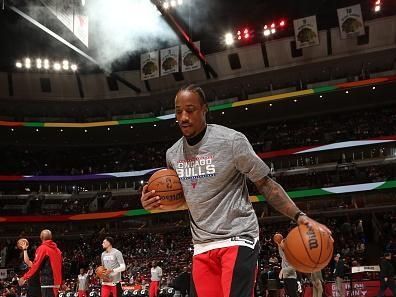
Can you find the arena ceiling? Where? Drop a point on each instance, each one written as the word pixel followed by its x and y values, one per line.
pixel 203 20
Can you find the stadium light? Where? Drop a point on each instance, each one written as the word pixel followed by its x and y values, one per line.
pixel 46 64
pixel 229 39
pixel 274 27
pixel 27 63
pixel 166 5
pixel 57 66
pixel 73 67
pixel 180 2
pixel 377 7
pixel 173 3
pixel 65 66
pixel 18 64
pixel 38 63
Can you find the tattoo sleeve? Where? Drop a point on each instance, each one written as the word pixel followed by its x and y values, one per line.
pixel 277 197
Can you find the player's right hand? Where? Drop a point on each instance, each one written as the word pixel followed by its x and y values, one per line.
pixel 149 199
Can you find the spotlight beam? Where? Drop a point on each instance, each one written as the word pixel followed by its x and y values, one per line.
pixel 184 37
pixel 74 48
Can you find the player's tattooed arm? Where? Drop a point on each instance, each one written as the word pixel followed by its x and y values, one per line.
pixel 277 197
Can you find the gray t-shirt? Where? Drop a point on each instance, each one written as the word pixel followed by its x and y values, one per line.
pixel 213 175
pixel 111 260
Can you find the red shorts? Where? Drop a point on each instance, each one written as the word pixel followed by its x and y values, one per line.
pixel 225 272
pixel 154 289
pixel 115 291
pixel 82 293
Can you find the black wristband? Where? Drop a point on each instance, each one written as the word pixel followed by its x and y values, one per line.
pixel 298 214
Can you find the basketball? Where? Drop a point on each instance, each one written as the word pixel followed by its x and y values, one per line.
pixel 308 249
pixel 100 272
pixel 278 238
pixel 20 242
pixel 167 186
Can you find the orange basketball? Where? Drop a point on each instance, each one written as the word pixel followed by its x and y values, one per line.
pixel 308 249
pixel 20 241
pixel 278 238
pixel 167 186
pixel 100 272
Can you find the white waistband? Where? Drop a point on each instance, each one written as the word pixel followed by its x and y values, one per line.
pixel 200 248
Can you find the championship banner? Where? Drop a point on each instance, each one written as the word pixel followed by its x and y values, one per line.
pixel 350 20
pixel 190 61
pixel 306 32
pixel 169 60
pixel 149 65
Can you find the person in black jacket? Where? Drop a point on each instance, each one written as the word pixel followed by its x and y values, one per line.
pixel 339 275
pixel 182 282
pixel 386 275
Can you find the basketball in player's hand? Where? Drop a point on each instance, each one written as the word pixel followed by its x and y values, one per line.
pixel 101 272
pixel 167 186
pixel 22 244
pixel 308 249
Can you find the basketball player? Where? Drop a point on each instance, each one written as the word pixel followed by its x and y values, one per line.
pixel 48 263
pixel 156 275
pixel 113 261
pixel 33 289
pixel 82 283
pixel 212 163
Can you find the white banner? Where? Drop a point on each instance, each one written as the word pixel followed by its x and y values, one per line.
pixel 190 61
pixel 306 32
pixel 169 60
pixel 350 20
pixel 72 15
pixel 3 273
pixel 149 65
pixel 81 28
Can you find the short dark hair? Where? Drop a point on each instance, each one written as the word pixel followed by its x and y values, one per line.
pixel 197 90
pixel 110 240
pixel 387 254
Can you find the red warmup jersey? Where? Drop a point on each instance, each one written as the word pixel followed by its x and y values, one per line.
pixel 47 262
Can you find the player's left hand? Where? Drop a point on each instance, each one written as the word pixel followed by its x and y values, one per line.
pixel 107 272
pixel 305 220
pixel 21 281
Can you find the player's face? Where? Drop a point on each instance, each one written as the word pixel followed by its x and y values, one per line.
pixel 105 244
pixel 190 113
pixel 81 271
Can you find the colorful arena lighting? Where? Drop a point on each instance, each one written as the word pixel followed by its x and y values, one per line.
pixel 272 28
pixel 228 39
